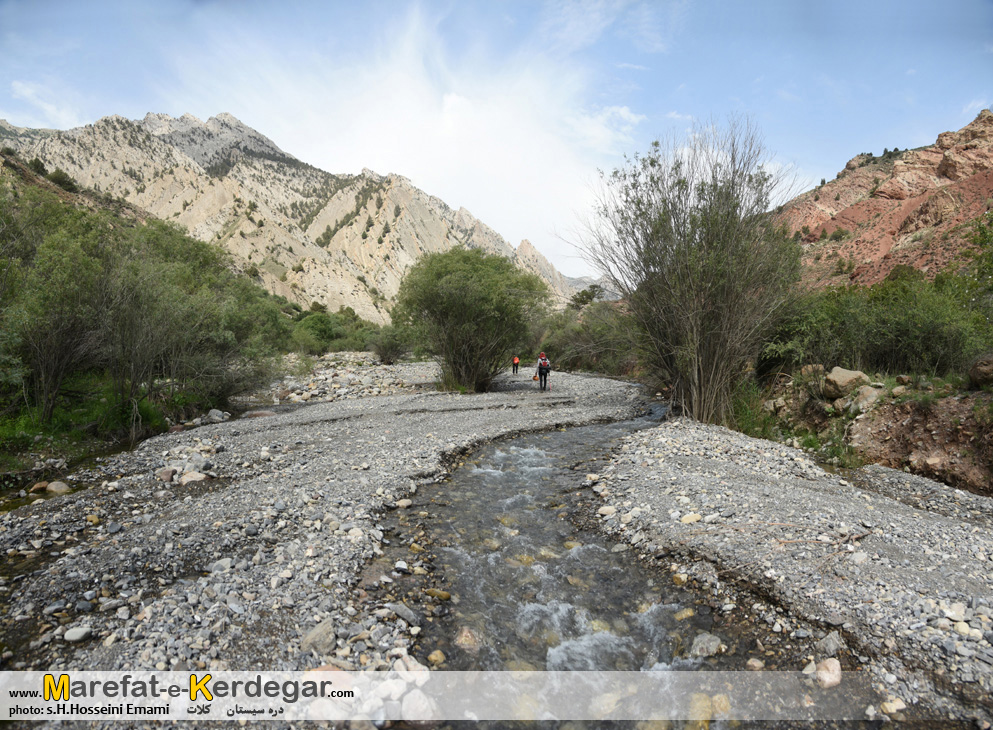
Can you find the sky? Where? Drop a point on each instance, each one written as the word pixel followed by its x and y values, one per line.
pixel 510 108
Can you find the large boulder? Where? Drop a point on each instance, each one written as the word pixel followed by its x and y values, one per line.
pixel 864 399
pixel 840 382
pixel 981 373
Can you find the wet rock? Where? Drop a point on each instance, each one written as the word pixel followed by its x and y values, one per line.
pixel 58 488
pixel 467 640
pixel 705 645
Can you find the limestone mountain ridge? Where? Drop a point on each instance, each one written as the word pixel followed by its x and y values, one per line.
pixel 303 233
pixel 911 207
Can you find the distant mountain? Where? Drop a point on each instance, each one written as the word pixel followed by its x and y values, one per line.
pixel 310 235
pixel 907 207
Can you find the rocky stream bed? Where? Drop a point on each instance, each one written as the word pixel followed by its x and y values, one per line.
pixel 258 543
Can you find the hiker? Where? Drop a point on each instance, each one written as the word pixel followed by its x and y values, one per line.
pixel 517 361
pixel 543 367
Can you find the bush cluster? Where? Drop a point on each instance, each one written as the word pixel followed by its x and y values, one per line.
pixel 904 324
pixel 156 316
pixel 317 332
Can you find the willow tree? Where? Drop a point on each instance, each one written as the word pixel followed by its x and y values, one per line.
pixel 471 310
pixel 684 234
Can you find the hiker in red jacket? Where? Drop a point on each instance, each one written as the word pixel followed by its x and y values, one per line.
pixel 517 361
pixel 543 367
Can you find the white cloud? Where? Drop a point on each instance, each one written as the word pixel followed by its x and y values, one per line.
pixel 633 67
pixel 679 117
pixel 974 107
pixel 58 116
pixel 518 143
pixel 571 26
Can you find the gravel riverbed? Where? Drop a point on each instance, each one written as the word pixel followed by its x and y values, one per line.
pixel 892 567
pixel 238 545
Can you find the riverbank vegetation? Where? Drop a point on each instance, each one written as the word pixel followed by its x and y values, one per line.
pixel 682 234
pixel 113 326
pixel 471 311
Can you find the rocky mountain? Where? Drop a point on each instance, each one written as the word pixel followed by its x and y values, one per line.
pixel 309 235
pixel 909 207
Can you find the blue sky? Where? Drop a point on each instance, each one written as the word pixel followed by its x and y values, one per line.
pixel 509 108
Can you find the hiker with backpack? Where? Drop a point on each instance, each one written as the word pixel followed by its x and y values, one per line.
pixel 542 371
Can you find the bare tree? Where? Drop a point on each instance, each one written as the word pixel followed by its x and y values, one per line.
pixel 684 234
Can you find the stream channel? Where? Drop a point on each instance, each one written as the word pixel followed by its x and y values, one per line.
pixel 520 584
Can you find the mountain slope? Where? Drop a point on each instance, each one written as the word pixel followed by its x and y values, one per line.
pixel 309 235
pixel 909 207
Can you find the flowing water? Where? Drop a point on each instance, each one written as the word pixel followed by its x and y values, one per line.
pixel 525 586
pixel 533 590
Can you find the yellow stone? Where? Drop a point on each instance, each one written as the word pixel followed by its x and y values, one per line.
pixel 721 705
pixel 599 625
pixel 570 544
pixel 436 657
pixel 684 614
pixel 700 712
pixel 439 594
pixel 93 519
pixel 680 579
pixel 892 706
pixel 578 582
pixel 690 518
pixel 415 548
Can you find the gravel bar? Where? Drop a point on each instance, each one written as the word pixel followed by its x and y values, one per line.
pixel 228 545
pixel 897 566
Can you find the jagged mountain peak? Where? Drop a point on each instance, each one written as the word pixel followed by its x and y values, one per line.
pixel 305 234
pixel 214 142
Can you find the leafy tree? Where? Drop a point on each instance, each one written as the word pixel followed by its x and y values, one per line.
pixel 471 309
pixel 684 235
pixel 61 178
pixel 38 167
pixel 587 296
pixel 599 339
pixel 61 306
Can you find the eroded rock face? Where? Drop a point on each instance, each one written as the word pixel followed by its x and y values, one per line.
pixel 898 208
pixel 305 234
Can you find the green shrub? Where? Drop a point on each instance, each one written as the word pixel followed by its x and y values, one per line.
pixel 904 324
pixel 38 167
pixel 472 309
pixel 600 338
pixel 389 344
pixel 63 180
